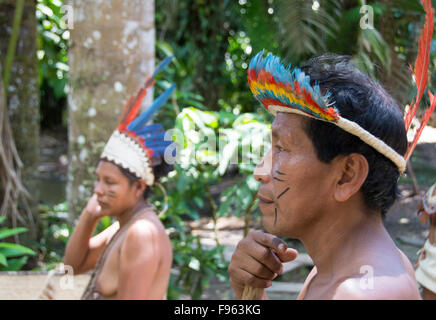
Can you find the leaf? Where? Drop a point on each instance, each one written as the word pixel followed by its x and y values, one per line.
pixel 5 232
pixel 10 253
pixel 2 219
pixel 409 6
pixel 17 247
pixel 3 260
pixel 15 264
pixel 194 264
pixel 378 45
pixel 302 29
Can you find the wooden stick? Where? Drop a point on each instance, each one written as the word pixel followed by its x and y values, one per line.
pixel 251 293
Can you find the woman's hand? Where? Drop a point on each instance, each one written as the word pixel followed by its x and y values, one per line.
pixel 93 209
pixel 257 260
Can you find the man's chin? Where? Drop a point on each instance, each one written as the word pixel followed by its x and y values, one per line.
pixel 270 226
pixel 276 228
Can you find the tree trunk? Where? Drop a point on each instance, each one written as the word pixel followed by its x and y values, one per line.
pixel 23 89
pixel 111 55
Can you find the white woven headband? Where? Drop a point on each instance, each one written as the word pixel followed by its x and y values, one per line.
pixel 127 153
pixel 356 130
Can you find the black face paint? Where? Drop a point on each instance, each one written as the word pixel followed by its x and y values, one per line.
pixel 111 194
pixel 286 190
pixel 275 178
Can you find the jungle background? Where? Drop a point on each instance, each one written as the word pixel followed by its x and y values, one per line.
pixel 68 67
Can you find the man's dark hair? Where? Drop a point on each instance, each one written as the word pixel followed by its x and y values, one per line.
pixel 160 170
pixel 364 101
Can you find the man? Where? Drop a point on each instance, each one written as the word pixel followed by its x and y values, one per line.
pixel 132 258
pixel 322 184
pixel 426 270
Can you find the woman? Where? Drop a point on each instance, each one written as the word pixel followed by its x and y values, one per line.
pixel 132 258
pixel 137 251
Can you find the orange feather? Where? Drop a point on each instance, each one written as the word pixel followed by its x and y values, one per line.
pixel 421 63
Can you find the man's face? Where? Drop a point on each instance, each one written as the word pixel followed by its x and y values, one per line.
pixel 294 183
pixel 114 192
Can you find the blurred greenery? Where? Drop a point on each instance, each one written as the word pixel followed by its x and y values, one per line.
pixel 55 234
pixel 52 54
pixel 12 256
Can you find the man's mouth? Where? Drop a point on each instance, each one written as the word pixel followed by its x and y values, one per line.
pixel 263 199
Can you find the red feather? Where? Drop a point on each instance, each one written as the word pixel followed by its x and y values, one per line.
pixel 132 106
pixel 421 76
pixel 424 121
pixel 422 61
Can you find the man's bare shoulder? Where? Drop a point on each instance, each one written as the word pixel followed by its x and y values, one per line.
pixel 378 287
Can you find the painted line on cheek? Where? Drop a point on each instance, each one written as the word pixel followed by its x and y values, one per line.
pixel 278 172
pixel 275 178
pixel 275 216
pixel 286 190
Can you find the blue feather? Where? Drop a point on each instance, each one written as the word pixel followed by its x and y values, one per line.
pixel 160 144
pixel 162 65
pixel 159 151
pixel 154 137
pixel 151 128
pixel 145 116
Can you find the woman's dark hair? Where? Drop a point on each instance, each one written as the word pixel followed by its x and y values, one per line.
pixel 160 170
pixel 364 101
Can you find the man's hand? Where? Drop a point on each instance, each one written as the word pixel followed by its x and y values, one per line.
pixel 257 260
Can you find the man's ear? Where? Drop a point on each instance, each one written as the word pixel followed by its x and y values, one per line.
pixel 352 172
pixel 140 187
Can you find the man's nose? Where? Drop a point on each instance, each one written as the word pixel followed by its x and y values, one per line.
pixel 262 173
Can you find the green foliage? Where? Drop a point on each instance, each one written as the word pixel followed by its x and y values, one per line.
pixel 213 144
pixel 12 256
pixel 55 234
pixel 197 265
pixel 53 68
pixel 53 44
pixel 199 32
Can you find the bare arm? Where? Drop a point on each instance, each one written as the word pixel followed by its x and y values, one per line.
pixel 138 262
pixel 83 251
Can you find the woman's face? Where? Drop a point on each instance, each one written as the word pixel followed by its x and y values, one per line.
pixel 115 193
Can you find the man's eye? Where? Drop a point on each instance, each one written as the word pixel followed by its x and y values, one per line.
pixel 279 149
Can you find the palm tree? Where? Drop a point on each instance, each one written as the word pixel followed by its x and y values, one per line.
pixel 308 28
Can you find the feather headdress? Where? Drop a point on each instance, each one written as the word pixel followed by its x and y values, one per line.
pixel 135 144
pixel 420 72
pixel 282 89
